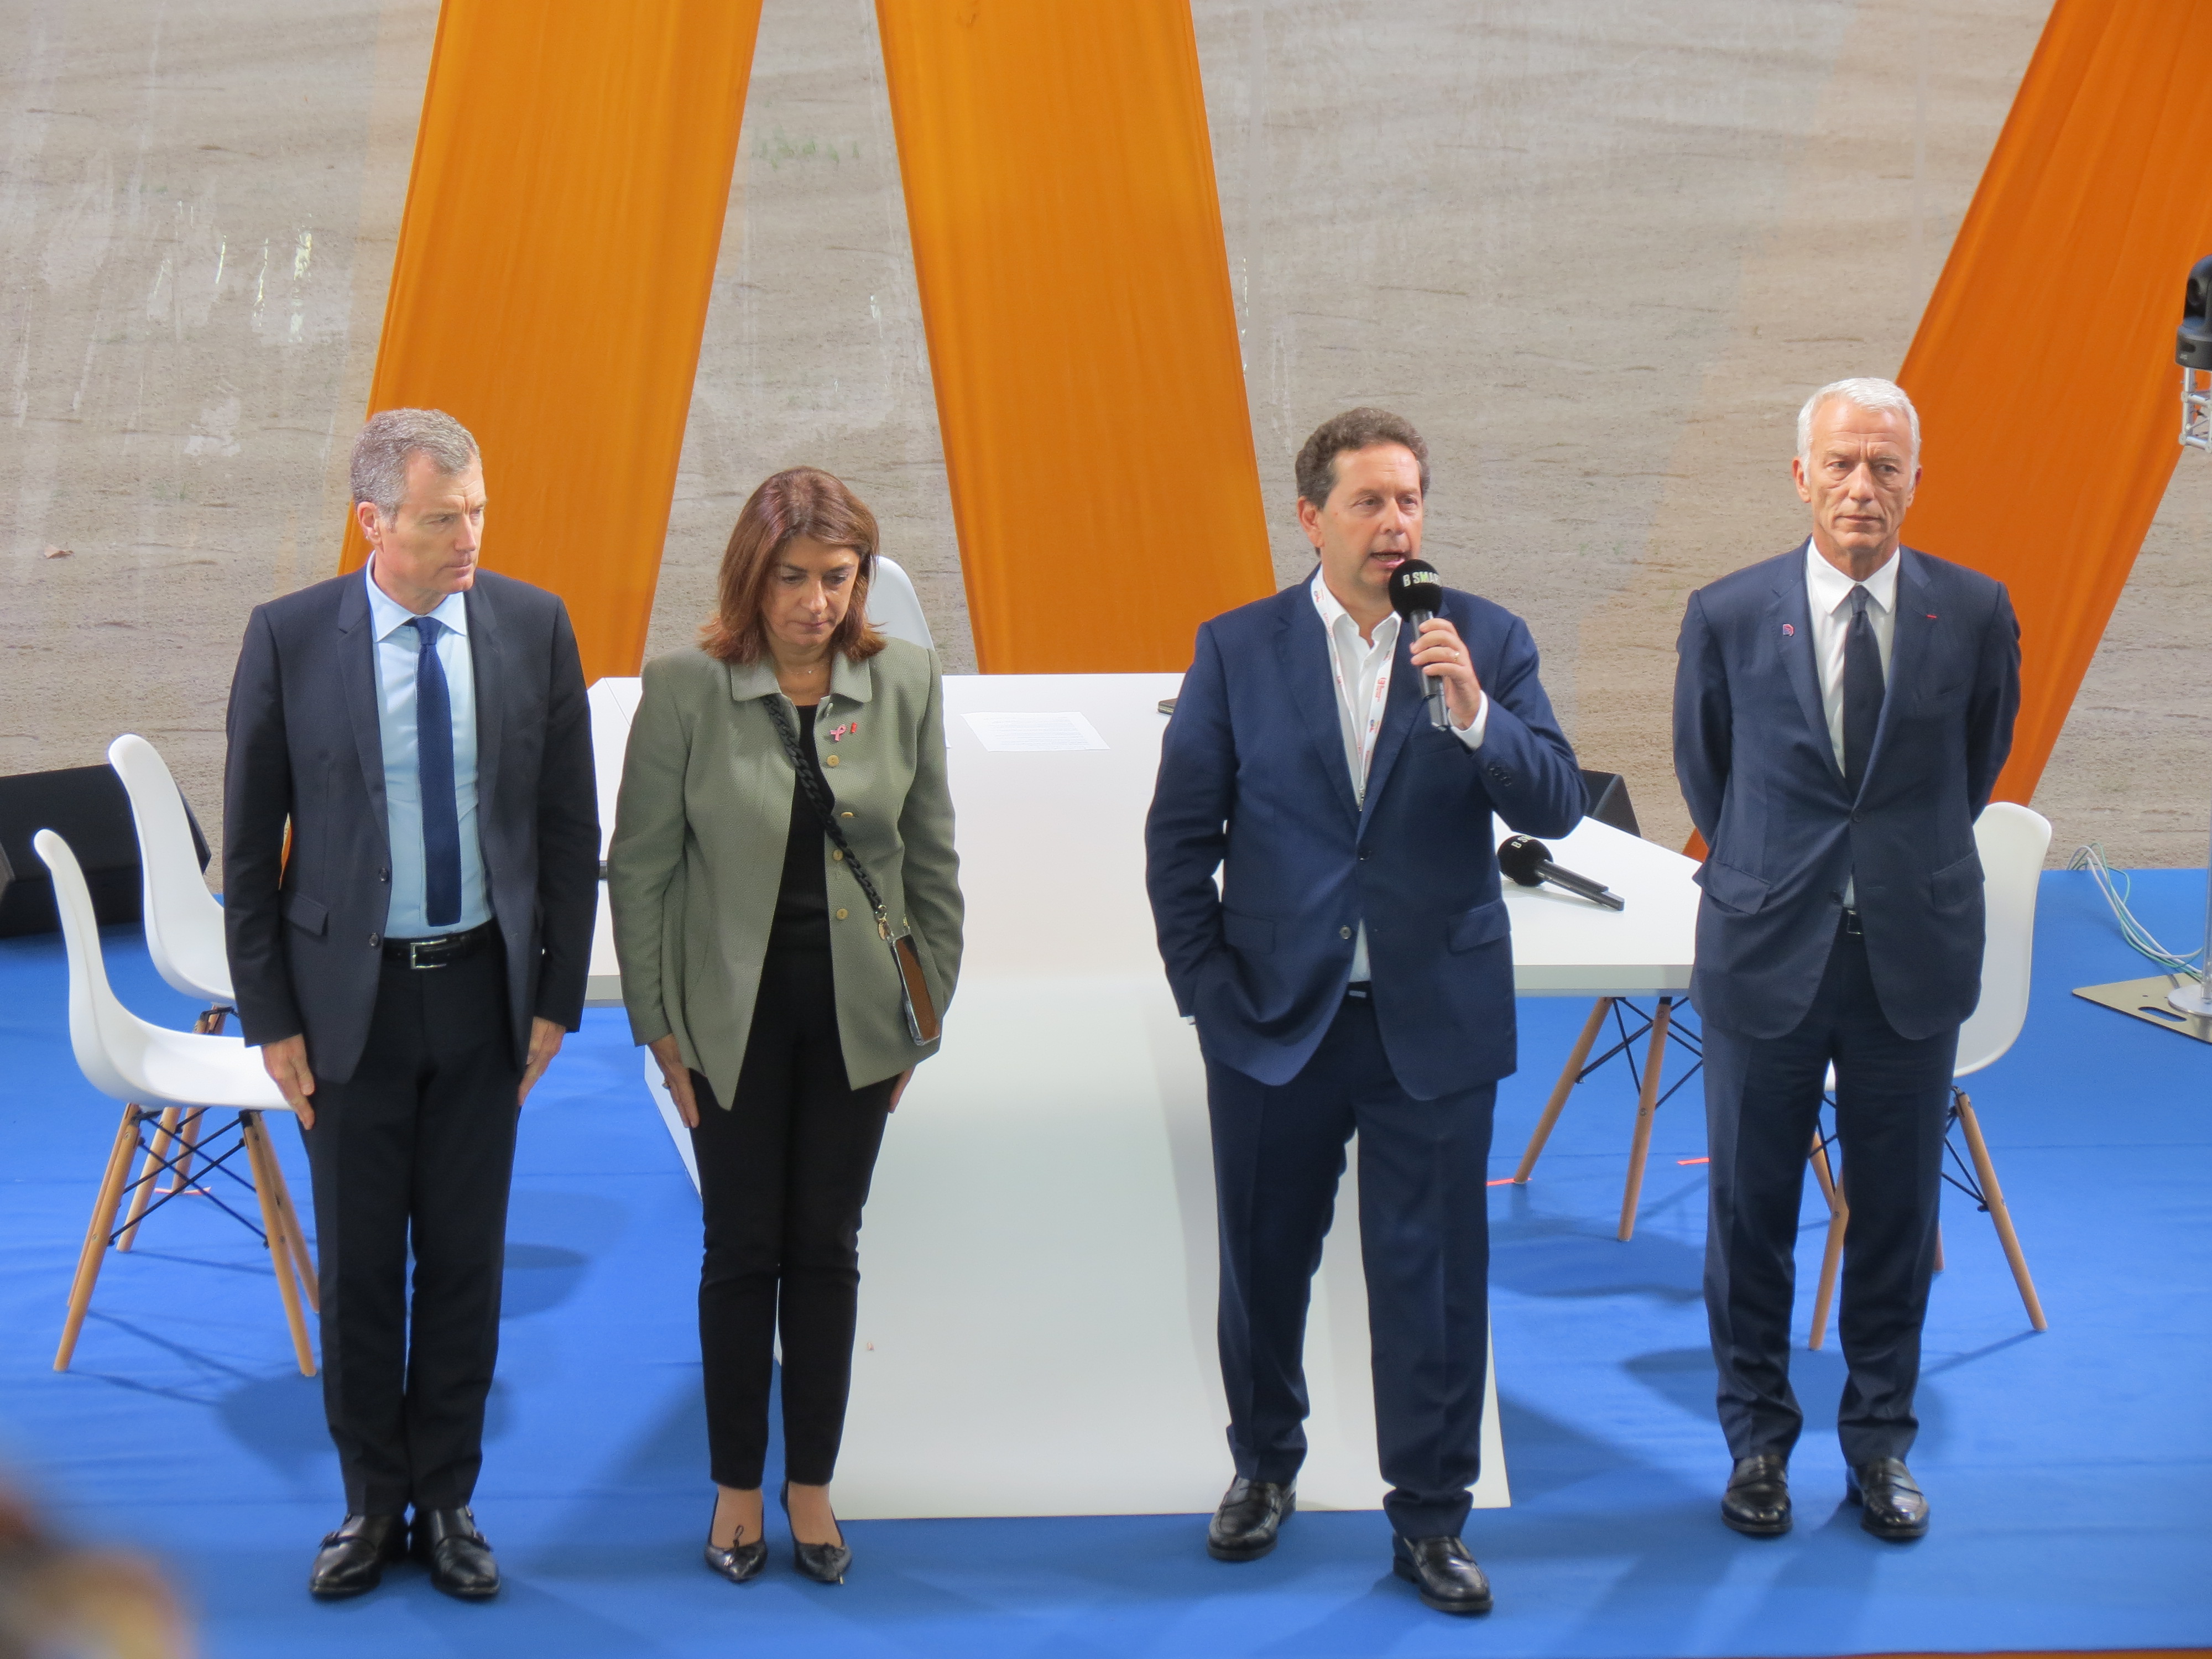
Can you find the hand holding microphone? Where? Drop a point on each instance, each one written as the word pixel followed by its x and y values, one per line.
pixel 1454 694
pixel 1528 862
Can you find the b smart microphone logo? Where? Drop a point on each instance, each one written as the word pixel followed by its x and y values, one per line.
pixel 1414 588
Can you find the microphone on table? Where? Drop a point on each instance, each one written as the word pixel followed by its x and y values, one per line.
pixel 1529 862
pixel 1416 593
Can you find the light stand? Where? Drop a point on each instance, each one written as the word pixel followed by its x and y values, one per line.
pixel 2180 1001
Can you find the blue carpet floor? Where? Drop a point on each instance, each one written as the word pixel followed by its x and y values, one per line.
pixel 2071 1472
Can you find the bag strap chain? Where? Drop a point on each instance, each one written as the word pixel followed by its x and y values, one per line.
pixel 826 807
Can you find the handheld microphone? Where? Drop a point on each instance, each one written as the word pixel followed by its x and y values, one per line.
pixel 1416 591
pixel 1529 862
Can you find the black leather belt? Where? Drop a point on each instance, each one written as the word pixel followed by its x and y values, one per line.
pixel 440 949
pixel 1851 928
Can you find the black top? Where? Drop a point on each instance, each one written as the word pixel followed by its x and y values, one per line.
pixel 802 902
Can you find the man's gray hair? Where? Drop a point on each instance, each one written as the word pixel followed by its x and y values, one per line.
pixel 1867 394
pixel 380 453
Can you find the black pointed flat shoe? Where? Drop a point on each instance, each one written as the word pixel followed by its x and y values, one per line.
pixel 352 1559
pixel 742 1562
pixel 825 1563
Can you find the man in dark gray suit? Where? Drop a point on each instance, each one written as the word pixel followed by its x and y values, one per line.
pixel 1841 714
pixel 411 868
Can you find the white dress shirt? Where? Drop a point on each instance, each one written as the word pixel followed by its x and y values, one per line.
pixel 1361 674
pixel 1829 593
pixel 398 650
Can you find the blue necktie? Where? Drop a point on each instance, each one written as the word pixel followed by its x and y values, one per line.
pixel 1862 690
pixel 434 770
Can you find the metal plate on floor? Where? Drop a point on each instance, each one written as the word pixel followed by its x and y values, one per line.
pixel 2145 1000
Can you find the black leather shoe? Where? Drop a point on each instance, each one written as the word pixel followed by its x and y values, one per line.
pixel 447 1542
pixel 353 1559
pixel 1757 1501
pixel 1445 1573
pixel 825 1563
pixel 742 1562
pixel 1890 1503
pixel 1250 1515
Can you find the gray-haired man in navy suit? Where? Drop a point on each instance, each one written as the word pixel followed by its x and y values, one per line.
pixel 410 869
pixel 1841 714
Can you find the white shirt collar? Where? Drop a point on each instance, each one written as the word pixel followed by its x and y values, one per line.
pixel 1829 589
pixel 388 616
pixel 1332 611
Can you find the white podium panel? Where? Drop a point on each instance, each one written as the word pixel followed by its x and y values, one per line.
pixel 1038 1264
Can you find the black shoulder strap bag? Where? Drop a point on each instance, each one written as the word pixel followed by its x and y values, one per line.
pixel 921 1023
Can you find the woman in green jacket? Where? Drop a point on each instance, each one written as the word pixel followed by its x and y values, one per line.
pixel 754 968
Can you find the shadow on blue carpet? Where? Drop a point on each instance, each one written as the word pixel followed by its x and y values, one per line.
pixel 2071 1472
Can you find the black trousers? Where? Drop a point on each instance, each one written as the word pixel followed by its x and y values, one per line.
pixel 783 1175
pixel 416 1151
pixel 1278 1151
pixel 1762 1099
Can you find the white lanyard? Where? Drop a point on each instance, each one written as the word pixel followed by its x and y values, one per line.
pixel 1344 698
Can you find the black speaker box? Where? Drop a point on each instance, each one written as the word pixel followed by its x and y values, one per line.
pixel 1607 796
pixel 87 807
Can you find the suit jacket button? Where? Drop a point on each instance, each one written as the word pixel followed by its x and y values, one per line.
pixel 841 915
pixel 383 874
pixel 375 939
pixel 1343 932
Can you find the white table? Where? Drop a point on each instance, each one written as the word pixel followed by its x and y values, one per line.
pixel 1037 1300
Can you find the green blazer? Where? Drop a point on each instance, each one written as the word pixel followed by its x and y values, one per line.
pixel 697 854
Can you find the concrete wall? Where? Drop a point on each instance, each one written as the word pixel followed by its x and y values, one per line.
pixel 1598 251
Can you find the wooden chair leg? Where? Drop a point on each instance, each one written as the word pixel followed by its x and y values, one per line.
pixel 1831 1257
pixel 303 1259
pixel 259 1155
pixel 1823 1171
pixel 142 1190
pixel 1993 1196
pixel 1565 1087
pixel 1647 1104
pixel 95 1235
pixel 188 1145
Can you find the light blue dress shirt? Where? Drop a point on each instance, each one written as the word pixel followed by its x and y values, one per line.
pixel 396 648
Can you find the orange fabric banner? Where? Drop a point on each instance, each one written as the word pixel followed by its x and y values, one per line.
pixel 2044 365
pixel 1067 240
pixel 549 292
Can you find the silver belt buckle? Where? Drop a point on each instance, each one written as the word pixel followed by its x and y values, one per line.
pixel 415 953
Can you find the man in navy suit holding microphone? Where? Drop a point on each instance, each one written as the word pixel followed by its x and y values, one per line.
pixel 1354 972
pixel 1841 714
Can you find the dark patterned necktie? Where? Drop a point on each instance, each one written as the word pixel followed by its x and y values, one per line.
pixel 434 770
pixel 1863 689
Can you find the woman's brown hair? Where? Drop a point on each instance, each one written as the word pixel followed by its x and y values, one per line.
pixel 800 501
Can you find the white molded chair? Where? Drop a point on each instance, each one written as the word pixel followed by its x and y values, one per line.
pixel 2012 841
pixel 184 935
pixel 147 1066
pixel 184 922
pixel 895 608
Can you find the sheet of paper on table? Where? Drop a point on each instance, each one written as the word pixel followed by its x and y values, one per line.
pixel 1033 734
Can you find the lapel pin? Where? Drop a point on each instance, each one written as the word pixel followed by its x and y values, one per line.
pixel 1931 616
pixel 1788 628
